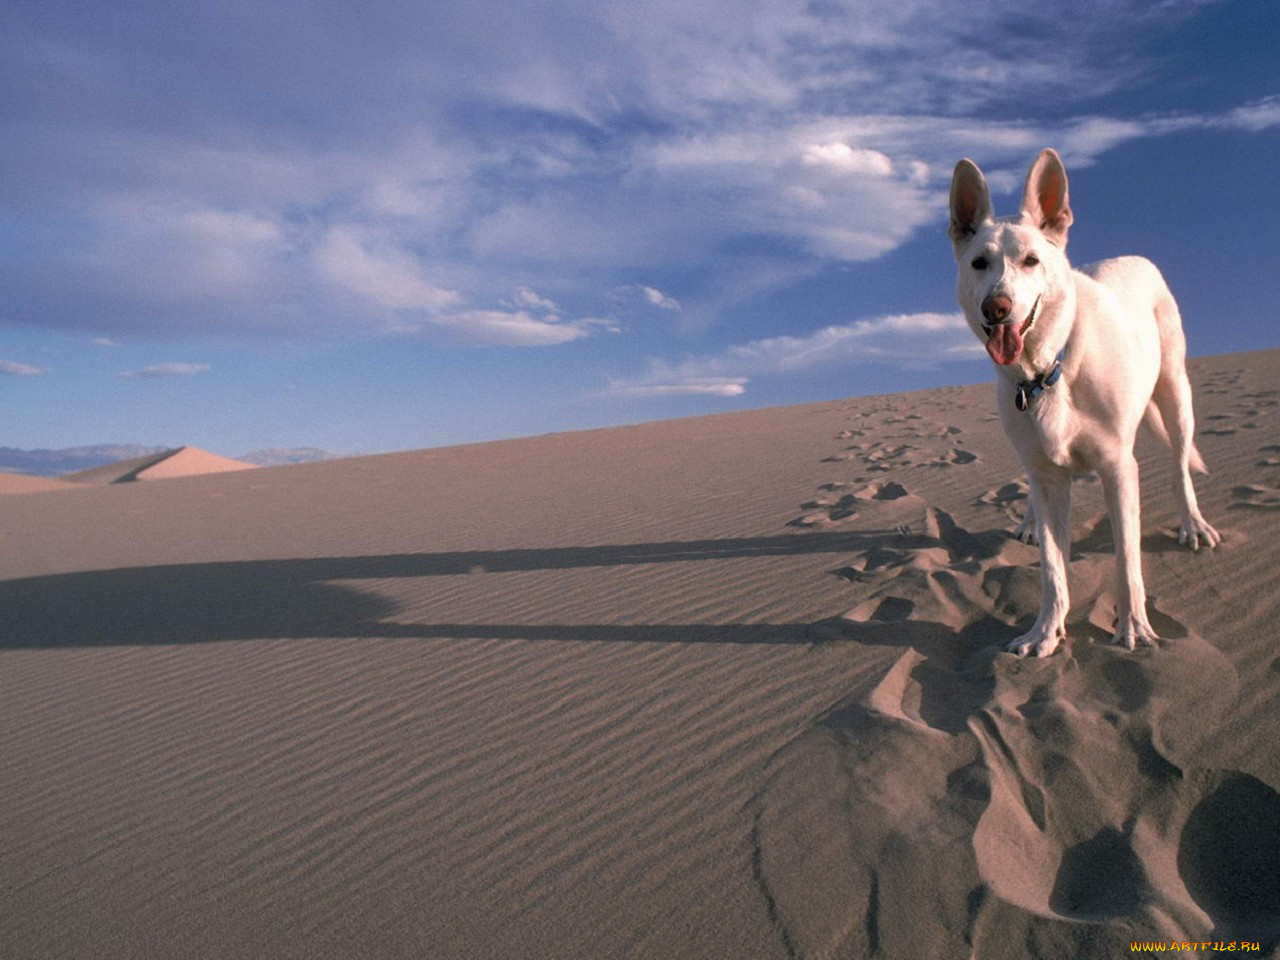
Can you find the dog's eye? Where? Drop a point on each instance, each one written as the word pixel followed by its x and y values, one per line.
pixel 979 263
pixel 1031 261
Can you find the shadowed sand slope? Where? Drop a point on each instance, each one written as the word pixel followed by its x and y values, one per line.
pixel 727 687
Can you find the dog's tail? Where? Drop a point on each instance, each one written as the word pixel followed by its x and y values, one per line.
pixel 1154 422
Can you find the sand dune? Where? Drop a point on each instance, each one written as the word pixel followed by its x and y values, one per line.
pixel 726 687
pixel 180 462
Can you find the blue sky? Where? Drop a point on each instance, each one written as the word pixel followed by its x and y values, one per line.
pixel 398 225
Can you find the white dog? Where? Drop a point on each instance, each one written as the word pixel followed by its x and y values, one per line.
pixel 1082 358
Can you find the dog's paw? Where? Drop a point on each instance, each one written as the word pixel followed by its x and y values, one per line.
pixel 1133 632
pixel 1026 530
pixel 1196 531
pixel 1036 642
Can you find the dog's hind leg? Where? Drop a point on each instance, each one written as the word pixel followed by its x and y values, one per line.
pixel 1051 503
pixel 1026 528
pixel 1174 413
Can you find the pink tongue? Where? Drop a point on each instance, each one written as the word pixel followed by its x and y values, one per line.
pixel 1005 343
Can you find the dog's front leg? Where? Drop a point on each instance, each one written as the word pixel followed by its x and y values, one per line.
pixel 1120 485
pixel 1051 502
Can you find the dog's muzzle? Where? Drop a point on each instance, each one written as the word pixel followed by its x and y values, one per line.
pixel 998 311
pixel 1004 335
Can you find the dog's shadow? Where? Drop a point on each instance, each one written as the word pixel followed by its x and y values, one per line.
pixel 323 597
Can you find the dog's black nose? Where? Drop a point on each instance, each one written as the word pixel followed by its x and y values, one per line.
pixel 996 308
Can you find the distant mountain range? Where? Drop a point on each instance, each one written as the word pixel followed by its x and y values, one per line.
pixel 281 456
pixel 57 463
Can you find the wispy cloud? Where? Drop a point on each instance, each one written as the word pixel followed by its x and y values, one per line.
pixel 919 340
pixel 376 272
pixel 659 299
pixel 514 328
pixel 1259 115
pixel 529 299
pixel 14 369
pixel 186 249
pixel 566 149
pixel 677 385
pixel 160 371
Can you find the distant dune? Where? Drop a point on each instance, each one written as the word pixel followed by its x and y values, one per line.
pixel 182 462
pixel 721 687
pixel 68 460
pixel 21 483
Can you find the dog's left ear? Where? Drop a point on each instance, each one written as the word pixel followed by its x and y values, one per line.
pixel 1044 200
pixel 970 203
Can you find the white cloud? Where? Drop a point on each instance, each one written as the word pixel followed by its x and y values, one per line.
pixel 510 328
pixel 1259 115
pixel 573 147
pixel 843 158
pixel 532 301
pixel 13 369
pixel 387 280
pixel 160 371
pixel 376 272
pixel 659 299
pixel 179 249
pixel 803 181
pixel 918 340
pixel 678 386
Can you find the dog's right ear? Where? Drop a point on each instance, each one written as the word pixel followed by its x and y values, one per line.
pixel 1044 200
pixel 970 203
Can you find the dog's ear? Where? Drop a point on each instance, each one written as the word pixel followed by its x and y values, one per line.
pixel 1044 200
pixel 970 203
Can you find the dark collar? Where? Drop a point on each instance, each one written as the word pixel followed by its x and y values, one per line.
pixel 1028 390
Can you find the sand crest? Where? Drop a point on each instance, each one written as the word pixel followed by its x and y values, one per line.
pixel 723 687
